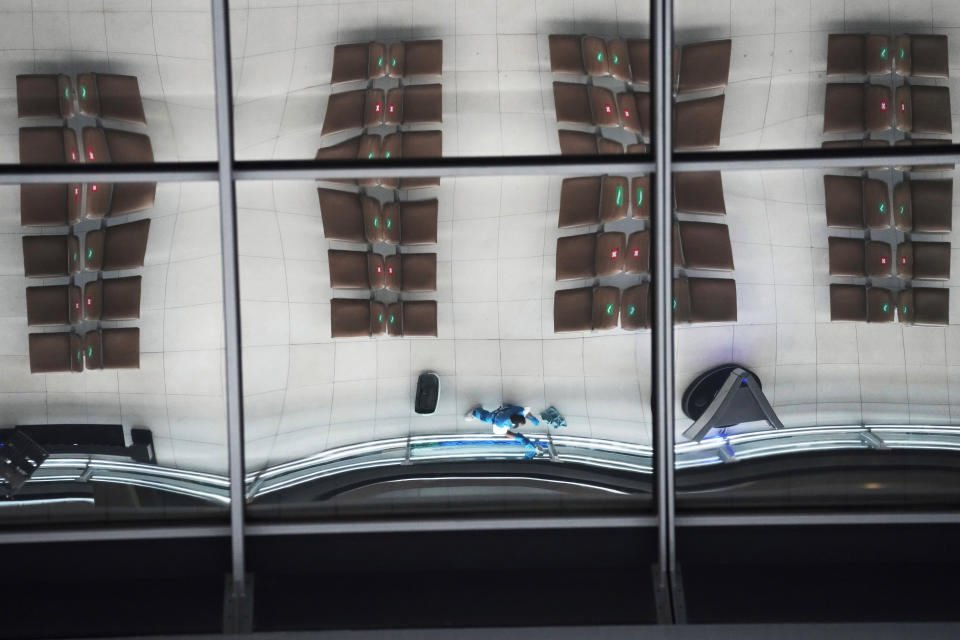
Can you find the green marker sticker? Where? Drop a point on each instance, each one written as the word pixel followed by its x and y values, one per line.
pixel 89 352
pixel 75 256
pixel 386 155
pixel 639 196
pixel 903 53
pixel 393 62
pixel 380 61
pixel 79 354
pixel 631 310
pixel 599 56
pixel 674 303
pixel 883 207
pixel 391 318
pixel 83 92
pixel 370 155
pixel 616 59
pixel 376 222
pixel 902 209
pixel 379 317
pixel 883 53
pixel 904 309
pixel 610 309
pixel 389 223
pixel 66 92
pixel 619 196
pixel 886 307
pixel 89 253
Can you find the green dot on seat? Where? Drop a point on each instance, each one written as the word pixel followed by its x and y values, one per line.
pixel 885 308
pixel 89 352
pixel 89 253
pixel 883 53
pixel 610 309
pixel 631 310
pixel 599 56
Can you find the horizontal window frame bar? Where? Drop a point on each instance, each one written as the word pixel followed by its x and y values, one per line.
pixel 813 518
pixel 747 160
pixel 91 533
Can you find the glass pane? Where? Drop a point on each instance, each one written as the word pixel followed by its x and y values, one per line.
pixel 452 78
pixel 785 74
pixel 376 322
pixel 822 300
pixel 115 66
pixel 111 374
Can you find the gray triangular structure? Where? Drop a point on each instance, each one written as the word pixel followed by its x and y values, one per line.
pixel 740 399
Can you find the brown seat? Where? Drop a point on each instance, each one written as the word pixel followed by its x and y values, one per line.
pixel 923 142
pixel 350 318
pixel 349 216
pixel 59 304
pixel 640 197
pixel 857 108
pixel 696 124
pixel 579 143
pixel 55 352
pixel 706 245
pixel 635 308
pixel 633 110
pixel 712 300
pixel 44 96
pixel 358 61
pixel 354 110
pixel 858 54
pixel 856 203
pixel 595 57
pixel 411 222
pixel 618 59
pixel 411 272
pixel 591 254
pixel 614 198
pixel 416 58
pixel 417 104
pixel 586 308
pixel 113 348
pixel 923 260
pixel 924 206
pixel 857 303
pixel 122 246
pixel 566 54
pixel 925 306
pixel 355 269
pixel 112 299
pixel 922 56
pixel 418 318
pixel 364 146
pixel 50 256
pixel 699 192
pixel 924 109
pixel 48 145
pixel 639 52
pixel 580 201
pixel 582 104
pixel 111 97
pixel 857 258
pixel 49 205
pixel 413 144
pixel 638 253
pixel 703 65
pixel 117 147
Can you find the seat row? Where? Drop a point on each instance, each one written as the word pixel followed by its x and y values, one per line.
pixel 913 55
pixel 107 96
pixel 881 144
pixel 696 67
pixel 352 217
pixel 695 301
pixel 870 108
pixel 352 318
pixel 366 108
pixel 405 144
pixel 868 258
pixel 101 299
pixel 121 246
pixel 407 272
pixel 372 60
pixel 859 303
pixel 59 205
pixel 99 349
pixel 919 206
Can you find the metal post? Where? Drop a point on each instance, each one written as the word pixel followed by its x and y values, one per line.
pixel 237 597
pixel 661 12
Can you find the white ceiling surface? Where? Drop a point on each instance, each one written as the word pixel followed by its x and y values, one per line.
pixel 178 391
pixel 166 44
pixel 775 94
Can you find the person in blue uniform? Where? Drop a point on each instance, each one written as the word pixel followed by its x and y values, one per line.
pixel 507 420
